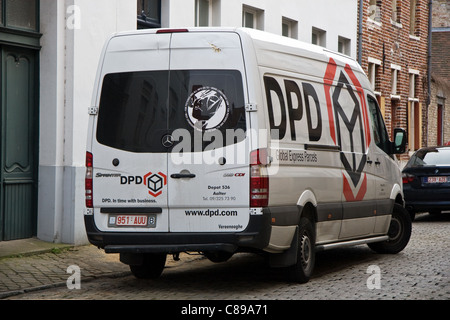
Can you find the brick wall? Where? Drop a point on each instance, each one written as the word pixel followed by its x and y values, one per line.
pixel 440 70
pixel 389 41
pixel 441 53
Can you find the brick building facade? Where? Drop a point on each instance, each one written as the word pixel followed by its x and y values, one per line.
pixel 439 108
pixel 394 37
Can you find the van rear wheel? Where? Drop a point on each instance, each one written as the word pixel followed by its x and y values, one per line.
pixel 218 256
pixel 306 257
pixel 151 268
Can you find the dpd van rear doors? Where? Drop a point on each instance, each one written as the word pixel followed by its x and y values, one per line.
pixel 169 151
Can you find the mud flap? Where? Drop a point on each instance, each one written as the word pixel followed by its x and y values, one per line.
pixel 287 258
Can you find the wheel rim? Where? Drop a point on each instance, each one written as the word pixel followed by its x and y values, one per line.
pixel 395 229
pixel 306 251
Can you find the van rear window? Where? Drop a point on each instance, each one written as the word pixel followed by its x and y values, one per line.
pixel 138 109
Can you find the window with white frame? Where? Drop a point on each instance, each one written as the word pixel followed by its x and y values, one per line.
pixel 375 10
pixel 289 28
pixel 415 112
pixel 413 76
pixel 413 30
pixel 395 70
pixel 344 45
pixel 373 74
pixel 252 18
pixel 203 13
pixel 396 12
pixel 319 37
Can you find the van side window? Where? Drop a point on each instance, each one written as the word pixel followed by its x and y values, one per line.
pixel 380 134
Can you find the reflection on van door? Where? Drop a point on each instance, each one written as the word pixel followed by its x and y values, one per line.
pixel 208 171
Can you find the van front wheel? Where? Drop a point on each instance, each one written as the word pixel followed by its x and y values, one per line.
pixel 306 257
pixel 151 268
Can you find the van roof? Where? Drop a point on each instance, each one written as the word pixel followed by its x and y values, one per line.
pixel 267 41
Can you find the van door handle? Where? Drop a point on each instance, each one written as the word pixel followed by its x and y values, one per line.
pixel 183 176
pixel 377 163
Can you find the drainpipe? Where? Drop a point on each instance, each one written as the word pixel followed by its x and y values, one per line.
pixel 360 32
pixel 430 26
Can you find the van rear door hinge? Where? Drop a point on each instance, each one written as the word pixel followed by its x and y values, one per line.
pixel 93 111
pixel 251 107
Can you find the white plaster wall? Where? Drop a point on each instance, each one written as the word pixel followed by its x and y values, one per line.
pixel 337 18
pixel 69 59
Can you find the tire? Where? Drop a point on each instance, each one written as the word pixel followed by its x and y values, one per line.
pixel 412 215
pixel 151 268
pixel 301 271
pixel 399 232
pixel 218 256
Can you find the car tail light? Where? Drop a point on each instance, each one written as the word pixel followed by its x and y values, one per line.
pixel 259 180
pixel 407 178
pixel 88 180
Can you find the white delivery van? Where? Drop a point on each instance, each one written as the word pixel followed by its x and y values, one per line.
pixel 220 141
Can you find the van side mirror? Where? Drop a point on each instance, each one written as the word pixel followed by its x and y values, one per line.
pixel 399 144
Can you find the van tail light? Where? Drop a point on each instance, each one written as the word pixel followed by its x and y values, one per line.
pixel 172 31
pixel 88 180
pixel 259 180
pixel 407 178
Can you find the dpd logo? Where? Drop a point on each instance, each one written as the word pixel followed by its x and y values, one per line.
pixel 155 183
pixel 349 130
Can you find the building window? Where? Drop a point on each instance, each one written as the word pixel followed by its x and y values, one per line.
pixel 373 74
pixel 413 76
pixel 253 18
pixel 415 112
pixel 20 14
pixel 395 70
pixel 413 30
pixel 319 37
pixel 344 45
pixel 289 28
pixel 203 14
pixel 396 11
pixel 375 10
pixel 148 14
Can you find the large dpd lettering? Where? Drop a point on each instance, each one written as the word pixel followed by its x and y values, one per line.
pixel 294 108
pixel 272 85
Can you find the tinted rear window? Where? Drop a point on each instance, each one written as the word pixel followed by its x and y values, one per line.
pixel 430 157
pixel 138 109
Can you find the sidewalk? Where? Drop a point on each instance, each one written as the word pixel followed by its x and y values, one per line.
pixel 30 265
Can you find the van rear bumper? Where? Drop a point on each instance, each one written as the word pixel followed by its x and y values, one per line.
pixel 256 236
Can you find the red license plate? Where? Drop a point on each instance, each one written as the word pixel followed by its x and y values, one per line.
pixel 131 221
pixel 437 180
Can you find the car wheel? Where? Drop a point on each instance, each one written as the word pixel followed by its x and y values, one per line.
pixel 303 269
pixel 399 232
pixel 151 268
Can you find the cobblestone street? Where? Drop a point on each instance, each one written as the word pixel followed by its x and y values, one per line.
pixel 420 272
